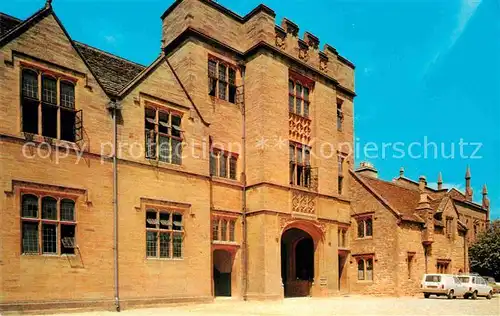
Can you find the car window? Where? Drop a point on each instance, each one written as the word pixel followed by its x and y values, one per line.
pixel 456 280
pixel 464 279
pixel 432 278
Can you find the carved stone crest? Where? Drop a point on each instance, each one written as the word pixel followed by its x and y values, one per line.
pixel 280 41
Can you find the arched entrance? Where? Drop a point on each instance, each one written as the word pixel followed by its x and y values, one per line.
pixel 297 262
pixel 223 264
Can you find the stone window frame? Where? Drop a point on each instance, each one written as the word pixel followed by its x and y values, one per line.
pixel 343 235
pixel 64 246
pixel 168 229
pixel 363 220
pixel 365 261
pixel 220 158
pixel 341 159
pixel 300 170
pixel 299 99
pixel 155 129
pixel 221 79
pixel 223 223
pixel 443 266
pixel 49 103
pixel 340 114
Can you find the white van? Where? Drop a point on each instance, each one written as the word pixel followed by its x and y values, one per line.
pixel 475 286
pixel 442 285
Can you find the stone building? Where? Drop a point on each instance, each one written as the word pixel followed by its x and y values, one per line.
pixel 403 229
pixel 203 174
pixel 215 185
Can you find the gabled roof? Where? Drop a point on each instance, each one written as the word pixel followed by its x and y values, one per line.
pixel 458 196
pixel 114 72
pixel 21 27
pixel 402 199
pixel 7 23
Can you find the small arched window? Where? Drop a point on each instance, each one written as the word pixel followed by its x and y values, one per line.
pixel 177 221
pixel 298 101
pixel 369 230
pixel 29 206
pixel 49 208
pixel 369 269
pixel 30 84
pixel 67 210
pixel 49 90
pixel 223 232
pixel 67 95
pixel 361 269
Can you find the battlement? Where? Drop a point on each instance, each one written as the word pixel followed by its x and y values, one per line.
pixel 307 50
pixel 242 33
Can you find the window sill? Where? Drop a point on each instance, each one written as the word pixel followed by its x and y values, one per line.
pixel 299 187
pixel 164 259
pixel 215 99
pixel 164 163
pixel 43 139
pixel 47 255
pixel 225 243
pixel 365 281
pixel 364 238
pixel 308 118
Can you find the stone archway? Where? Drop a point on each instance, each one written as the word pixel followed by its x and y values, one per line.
pixel 297 262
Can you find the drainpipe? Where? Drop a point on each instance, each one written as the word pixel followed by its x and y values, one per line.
pixel 115 108
pixel 244 193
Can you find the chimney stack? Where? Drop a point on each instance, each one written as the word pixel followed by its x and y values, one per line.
pixel 440 181
pixel 367 169
pixel 468 189
pixel 422 183
pixel 401 172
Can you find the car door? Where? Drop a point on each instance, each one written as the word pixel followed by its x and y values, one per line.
pixel 459 287
pixel 480 286
pixel 484 285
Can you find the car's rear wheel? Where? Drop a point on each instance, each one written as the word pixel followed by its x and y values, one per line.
pixel 474 295
pixel 489 295
pixel 451 294
pixel 427 295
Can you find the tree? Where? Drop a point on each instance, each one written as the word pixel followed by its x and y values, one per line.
pixel 484 254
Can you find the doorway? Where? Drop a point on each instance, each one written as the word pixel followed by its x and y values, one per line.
pixel 297 262
pixel 342 272
pixel 222 268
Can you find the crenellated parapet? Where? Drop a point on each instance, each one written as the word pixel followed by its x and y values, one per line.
pixel 307 50
pixel 241 34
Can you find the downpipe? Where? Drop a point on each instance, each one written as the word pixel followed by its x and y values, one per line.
pixel 115 108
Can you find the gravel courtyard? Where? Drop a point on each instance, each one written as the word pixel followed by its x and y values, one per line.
pixel 348 305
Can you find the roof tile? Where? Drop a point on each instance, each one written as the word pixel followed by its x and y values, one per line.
pixel 113 72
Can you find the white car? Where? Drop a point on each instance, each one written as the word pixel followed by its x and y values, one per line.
pixel 476 286
pixel 442 285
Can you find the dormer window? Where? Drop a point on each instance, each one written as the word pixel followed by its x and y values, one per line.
pixel 163 135
pixel 48 106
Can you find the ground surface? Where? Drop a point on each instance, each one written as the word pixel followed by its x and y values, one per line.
pixel 351 305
